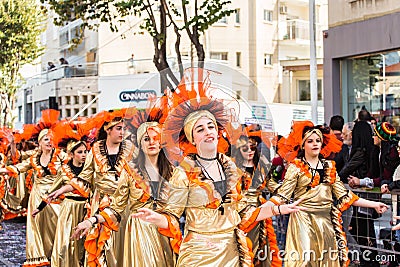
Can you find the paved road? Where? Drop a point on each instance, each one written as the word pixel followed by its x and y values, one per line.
pixel 12 243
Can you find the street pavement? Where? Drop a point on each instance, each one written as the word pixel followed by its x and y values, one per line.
pixel 12 242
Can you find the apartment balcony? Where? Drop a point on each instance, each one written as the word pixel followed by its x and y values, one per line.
pixel 297 32
pixel 63 71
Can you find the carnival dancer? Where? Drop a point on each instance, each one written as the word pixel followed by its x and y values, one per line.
pixel 142 185
pixel 11 188
pixel 247 158
pixel 67 252
pixel 99 179
pixel 41 171
pixel 206 185
pixel 315 236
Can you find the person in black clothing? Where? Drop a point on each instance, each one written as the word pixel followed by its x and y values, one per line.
pixel 357 171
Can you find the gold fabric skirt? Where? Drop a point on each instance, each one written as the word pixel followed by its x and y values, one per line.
pixel 68 252
pixel 214 249
pixel 40 230
pixel 145 246
pixel 311 240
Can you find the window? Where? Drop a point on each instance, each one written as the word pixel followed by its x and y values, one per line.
pixel 219 55
pixel 94 111
pixel 76 99
pixel 304 90
pixel 237 16
pixel 69 32
pixel 67 100
pixel 238 59
pixel 68 111
pixel 85 99
pixel 76 111
pixel 20 113
pixel 268 15
pixel 223 20
pixel 267 59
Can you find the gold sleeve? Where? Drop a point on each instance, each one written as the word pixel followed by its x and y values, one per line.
pixel 24 166
pixel 178 193
pixel 26 154
pixel 289 184
pixel 344 196
pixel 175 206
pixel 88 169
pixel 272 185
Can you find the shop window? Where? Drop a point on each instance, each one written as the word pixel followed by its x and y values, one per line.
pixel 304 93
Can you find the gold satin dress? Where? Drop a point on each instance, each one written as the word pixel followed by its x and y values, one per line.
pixel 315 237
pixel 68 252
pixel 144 245
pixel 100 181
pixel 263 235
pixel 215 233
pixel 40 230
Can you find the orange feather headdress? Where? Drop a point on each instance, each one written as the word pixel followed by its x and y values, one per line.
pixel 194 94
pixel 140 122
pixel 48 121
pixel 289 147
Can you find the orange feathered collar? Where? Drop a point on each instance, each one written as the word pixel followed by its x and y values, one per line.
pixel 329 172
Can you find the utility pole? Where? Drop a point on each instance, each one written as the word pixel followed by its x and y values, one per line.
pixel 313 64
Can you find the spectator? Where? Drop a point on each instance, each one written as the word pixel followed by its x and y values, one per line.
pixel 343 156
pixel 50 66
pixel 364 115
pixel 67 71
pixel 336 124
pixel 341 160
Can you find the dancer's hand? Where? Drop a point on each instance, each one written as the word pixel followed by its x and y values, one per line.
pixel 54 195
pixel 81 229
pixel 290 208
pixel 151 216
pixel 380 207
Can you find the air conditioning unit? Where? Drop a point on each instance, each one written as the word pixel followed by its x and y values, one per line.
pixel 283 9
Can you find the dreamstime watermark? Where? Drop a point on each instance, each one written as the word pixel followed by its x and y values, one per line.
pixel 323 255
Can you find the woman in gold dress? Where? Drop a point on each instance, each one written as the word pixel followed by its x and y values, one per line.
pixel 206 186
pixel 41 171
pixel 142 186
pixel 99 179
pixel 247 158
pixel 315 236
pixel 65 251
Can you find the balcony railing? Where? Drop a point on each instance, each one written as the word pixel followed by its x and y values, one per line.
pixel 298 30
pixel 64 71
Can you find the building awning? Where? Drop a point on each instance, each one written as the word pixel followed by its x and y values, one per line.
pixel 301 67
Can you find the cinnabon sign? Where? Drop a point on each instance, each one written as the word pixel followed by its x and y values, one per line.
pixel 137 95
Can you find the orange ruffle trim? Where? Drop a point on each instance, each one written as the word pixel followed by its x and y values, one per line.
pixel 305 169
pixel 274 249
pixel 36 262
pixel 172 232
pixel 12 172
pixel 347 205
pixel 95 241
pixel 248 224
